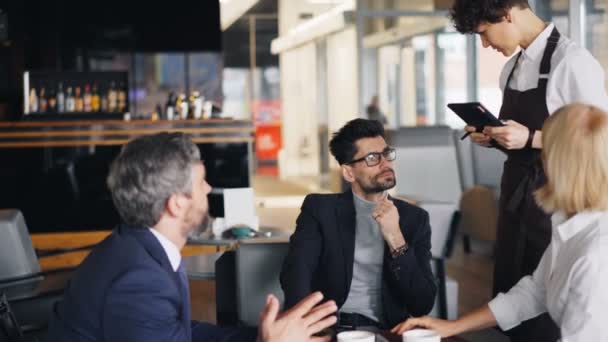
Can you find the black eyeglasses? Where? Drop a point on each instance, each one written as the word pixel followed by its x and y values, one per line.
pixel 374 158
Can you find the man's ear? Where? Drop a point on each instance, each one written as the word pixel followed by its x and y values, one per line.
pixel 509 16
pixel 347 173
pixel 176 204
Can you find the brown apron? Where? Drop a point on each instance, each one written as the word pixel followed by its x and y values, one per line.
pixel 524 229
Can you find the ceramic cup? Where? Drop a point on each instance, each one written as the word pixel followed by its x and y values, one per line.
pixel 356 336
pixel 421 335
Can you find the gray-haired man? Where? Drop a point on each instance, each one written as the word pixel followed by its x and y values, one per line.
pixel 132 286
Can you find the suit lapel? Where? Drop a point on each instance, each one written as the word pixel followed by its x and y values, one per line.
pixel 346 222
pixel 156 251
pixel 150 244
pixel 402 213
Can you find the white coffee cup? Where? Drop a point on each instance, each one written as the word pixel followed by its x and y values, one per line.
pixel 421 335
pixel 356 336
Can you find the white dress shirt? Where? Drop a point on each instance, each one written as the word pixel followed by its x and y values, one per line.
pixel 175 258
pixel 570 282
pixel 575 76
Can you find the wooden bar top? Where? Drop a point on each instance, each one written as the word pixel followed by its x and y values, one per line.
pixel 28 134
pixel 51 241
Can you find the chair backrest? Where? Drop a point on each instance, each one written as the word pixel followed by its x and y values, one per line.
pixel 258 266
pixel 426 165
pixel 487 166
pixel 19 260
pixel 441 220
pixel 464 155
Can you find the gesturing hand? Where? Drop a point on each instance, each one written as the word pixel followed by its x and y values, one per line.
pixel 297 324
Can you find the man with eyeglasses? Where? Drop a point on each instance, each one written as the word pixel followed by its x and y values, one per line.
pixel 365 250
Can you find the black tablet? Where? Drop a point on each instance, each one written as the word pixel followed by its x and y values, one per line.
pixel 475 114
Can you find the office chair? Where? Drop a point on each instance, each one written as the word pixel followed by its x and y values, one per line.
pixel 245 277
pixel 9 328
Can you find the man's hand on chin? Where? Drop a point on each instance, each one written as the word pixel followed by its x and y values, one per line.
pixel 387 216
pixel 299 323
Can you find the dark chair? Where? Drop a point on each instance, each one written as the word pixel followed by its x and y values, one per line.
pixel 9 328
pixel 245 277
pixel 31 293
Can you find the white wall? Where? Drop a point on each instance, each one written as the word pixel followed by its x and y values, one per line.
pixel 300 153
pixel 342 92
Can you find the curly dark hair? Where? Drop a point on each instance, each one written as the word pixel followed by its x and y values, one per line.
pixel 342 144
pixel 467 15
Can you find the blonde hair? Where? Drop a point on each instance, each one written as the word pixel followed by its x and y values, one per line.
pixel 575 155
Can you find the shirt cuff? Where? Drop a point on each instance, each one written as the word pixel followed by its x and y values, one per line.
pixel 504 312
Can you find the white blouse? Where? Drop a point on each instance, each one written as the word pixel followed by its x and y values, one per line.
pixel 570 282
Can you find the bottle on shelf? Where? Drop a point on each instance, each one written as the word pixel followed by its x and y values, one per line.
pixel 78 101
pixel 121 98
pixel 86 98
pixel 42 102
pixel 183 107
pixel 60 98
pixel 170 108
pixel 178 106
pixel 70 104
pixel 33 100
pixel 95 100
pixel 207 109
pixel 103 103
pixel 197 110
pixel 112 98
pixel 52 101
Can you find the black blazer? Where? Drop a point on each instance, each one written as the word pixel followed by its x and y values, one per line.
pixel 322 249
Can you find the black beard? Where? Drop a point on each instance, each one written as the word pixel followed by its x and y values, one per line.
pixel 377 187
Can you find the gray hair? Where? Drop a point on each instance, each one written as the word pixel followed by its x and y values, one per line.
pixel 148 170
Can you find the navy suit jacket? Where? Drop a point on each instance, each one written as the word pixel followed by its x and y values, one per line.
pixel 126 290
pixel 322 250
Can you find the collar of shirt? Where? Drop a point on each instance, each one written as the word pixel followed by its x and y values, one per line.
pixel 537 47
pixel 362 202
pixel 565 228
pixel 175 258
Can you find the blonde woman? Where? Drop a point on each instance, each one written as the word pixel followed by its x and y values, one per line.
pixel 571 280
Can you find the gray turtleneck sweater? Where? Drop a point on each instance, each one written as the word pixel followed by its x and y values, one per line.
pixel 365 290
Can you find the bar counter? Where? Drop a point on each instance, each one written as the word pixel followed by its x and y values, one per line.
pixel 55 171
pixel 26 134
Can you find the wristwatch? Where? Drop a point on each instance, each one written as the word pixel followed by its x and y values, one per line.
pixel 399 251
pixel 530 137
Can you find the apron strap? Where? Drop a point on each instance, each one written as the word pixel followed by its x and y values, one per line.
pixel 512 70
pixel 545 64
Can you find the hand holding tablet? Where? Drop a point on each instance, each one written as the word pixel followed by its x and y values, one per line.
pixel 476 115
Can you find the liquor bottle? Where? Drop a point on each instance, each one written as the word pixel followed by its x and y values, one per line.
pixel 60 98
pixel 33 100
pixel 183 107
pixel 170 109
pixel 86 98
pixel 178 106
pixel 95 100
pixel 197 112
pixel 70 104
pixel 42 103
pixel 78 101
pixel 122 98
pixel 52 101
pixel 103 101
pixel 112 98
